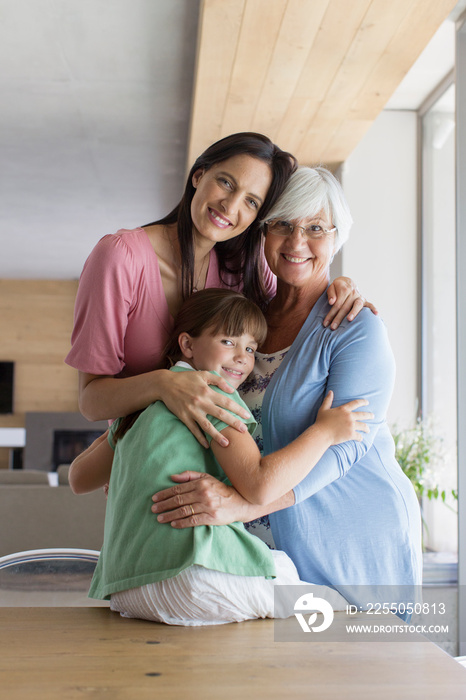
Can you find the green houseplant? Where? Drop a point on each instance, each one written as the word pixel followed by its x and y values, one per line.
pixel 420 454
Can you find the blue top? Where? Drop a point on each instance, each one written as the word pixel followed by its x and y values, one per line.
pixel 356 521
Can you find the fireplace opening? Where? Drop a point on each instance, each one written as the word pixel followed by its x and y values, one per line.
pixel 68 444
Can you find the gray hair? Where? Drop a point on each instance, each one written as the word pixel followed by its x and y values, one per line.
pixel 309 191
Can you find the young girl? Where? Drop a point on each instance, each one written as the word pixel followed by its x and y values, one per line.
pixel 202 575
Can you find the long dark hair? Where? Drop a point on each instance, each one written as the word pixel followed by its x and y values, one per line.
pixel 239 255
pixel 216 310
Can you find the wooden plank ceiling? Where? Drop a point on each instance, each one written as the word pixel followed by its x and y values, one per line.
pixel 311 74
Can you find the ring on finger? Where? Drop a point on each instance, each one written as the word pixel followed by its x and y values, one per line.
pixel 192 509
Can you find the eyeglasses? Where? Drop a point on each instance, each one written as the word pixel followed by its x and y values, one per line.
pixel 285 228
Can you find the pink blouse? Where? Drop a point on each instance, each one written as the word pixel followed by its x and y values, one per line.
pixel 121 321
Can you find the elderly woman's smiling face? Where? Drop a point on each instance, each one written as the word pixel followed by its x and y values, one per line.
pixel 302 257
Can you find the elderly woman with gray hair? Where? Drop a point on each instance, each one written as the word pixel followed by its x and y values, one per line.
pixel 354 521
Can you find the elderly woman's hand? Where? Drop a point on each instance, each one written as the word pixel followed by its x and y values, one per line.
pixel 346 300
pixel 199 499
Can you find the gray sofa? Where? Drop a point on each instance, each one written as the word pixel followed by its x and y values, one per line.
pixel 35 515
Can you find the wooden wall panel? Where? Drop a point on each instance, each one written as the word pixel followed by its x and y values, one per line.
pixel 380 66
pixel 288 65
pixel 311 74
pixel 219 27
pixel 253 57
pixel 36 320
pixel 4 458
pixel 337 31
pixel 370 39
pixel 43 386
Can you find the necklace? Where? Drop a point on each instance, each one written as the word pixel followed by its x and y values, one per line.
pixel 205 262
pixel 196 284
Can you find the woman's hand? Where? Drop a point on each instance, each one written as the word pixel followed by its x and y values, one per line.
pixel 344 422
pixel 346 300
pixel 199 499
pixel 189 397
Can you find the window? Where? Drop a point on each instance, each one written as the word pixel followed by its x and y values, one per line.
pixel 438 361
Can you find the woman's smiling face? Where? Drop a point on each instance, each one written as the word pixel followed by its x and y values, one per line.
pixel 300 261
pixel 228 197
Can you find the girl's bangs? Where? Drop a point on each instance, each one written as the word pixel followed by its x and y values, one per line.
pixel 243 317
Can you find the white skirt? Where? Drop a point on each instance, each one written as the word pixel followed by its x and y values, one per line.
pixel 199 596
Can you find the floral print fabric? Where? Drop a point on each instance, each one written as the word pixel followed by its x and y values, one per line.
pixel 252 392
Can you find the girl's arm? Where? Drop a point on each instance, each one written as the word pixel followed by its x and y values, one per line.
pixel 262 480
pixel 92 468
pixel 201 499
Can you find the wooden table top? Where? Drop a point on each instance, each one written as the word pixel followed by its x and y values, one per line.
pixel 67 653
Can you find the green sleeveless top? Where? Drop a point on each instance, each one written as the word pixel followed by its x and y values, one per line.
pixel 137 549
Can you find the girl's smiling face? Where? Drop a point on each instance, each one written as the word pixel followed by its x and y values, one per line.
pixel 232 357
pixel 228 197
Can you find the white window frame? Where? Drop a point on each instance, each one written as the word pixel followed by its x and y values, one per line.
pixel 461 319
